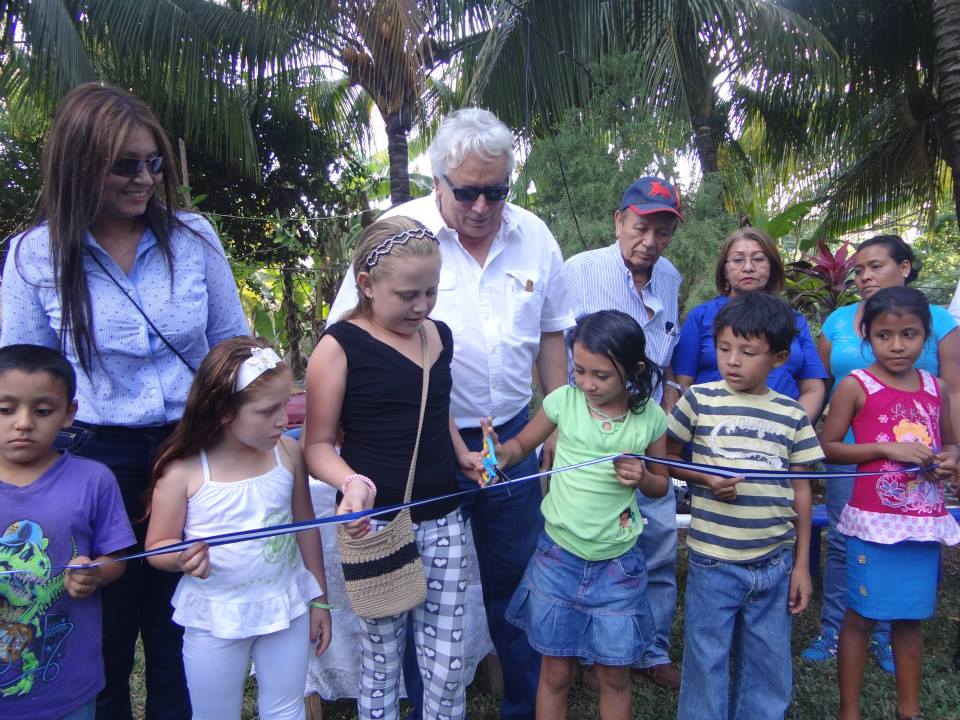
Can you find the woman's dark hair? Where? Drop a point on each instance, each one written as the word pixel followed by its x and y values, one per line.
pixel 620 338
pixel 211 403
pixel 759 315
pixel 88 134
pixel 778 276
pixel 898 249
pixel 897 301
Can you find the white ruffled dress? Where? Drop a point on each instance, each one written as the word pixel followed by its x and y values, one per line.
pixel 255 587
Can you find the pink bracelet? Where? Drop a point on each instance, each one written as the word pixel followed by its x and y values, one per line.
pixel 362 478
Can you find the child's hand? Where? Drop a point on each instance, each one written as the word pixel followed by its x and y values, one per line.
pixel 471 466
pixel 629 470
pixel 82 582
pixel 321 628
pixel 501 452
pixel 486 425
pixel 801 589
pixel 725 488
pixel 911 453
pixel 947 461
pixel 358 497
pixel 195 560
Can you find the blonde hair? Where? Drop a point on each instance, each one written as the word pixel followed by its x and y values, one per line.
pixel 381 246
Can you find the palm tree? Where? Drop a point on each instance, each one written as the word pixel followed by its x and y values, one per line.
pixel 946 28
pixel 893 131
pixel 771 60
pixel 391 50
pixel 196 63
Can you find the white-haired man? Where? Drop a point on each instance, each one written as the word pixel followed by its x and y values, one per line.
pixel 503 295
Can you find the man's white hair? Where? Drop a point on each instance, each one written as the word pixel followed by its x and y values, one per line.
pixel 471 131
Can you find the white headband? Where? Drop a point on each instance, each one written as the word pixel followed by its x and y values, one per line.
pixel 260 360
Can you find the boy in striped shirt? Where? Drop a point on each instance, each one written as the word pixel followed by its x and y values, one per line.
pixel 749 540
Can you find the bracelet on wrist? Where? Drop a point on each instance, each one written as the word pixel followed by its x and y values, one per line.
pixel 675 385
pixel 362 478
pixel 320 605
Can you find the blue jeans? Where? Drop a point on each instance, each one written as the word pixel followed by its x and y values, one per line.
pixel 839 491
pixel 658 542
pixel 506 524
pixel 739 610
pixel 138 603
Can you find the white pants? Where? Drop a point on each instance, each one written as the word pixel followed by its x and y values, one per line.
pixel 216 669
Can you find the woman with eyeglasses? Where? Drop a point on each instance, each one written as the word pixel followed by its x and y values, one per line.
pixel 135 294
pixel 748 262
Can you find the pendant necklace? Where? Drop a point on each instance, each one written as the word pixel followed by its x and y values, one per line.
pixel 608 420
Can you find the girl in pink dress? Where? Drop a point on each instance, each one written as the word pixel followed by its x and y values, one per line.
pixel 896 520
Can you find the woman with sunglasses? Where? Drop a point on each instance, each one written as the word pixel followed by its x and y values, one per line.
pixel 135 294
pixel 748 262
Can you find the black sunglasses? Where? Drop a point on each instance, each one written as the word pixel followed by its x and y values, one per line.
pixel 131 167
pixel 470 193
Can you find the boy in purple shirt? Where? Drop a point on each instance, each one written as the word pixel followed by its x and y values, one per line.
pixel 55 510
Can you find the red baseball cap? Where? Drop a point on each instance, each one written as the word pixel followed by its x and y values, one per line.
pixel 651 195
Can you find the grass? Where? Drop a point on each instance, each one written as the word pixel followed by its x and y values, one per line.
pixel 815 695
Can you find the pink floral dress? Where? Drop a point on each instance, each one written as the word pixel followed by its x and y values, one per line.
pixel 897 506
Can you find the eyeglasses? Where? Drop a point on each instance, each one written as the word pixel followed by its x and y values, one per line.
pixel 470 193
pixel 738 261
pixel 131 167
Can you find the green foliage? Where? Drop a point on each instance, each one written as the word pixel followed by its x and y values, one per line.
pixel 939 256
pixel 580 170
pixel 19 177
pixel 289 233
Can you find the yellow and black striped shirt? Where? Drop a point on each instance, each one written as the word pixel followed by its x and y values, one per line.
pixel 739 431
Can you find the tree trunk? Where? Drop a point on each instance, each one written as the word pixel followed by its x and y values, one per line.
pixel 398 125
pixel 705 141
pixel 946 28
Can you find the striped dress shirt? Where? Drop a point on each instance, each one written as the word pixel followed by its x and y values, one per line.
pixel 598 280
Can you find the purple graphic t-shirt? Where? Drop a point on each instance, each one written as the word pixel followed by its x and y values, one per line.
pixel 50 661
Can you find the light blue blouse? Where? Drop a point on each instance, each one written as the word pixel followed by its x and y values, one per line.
pixel 136 379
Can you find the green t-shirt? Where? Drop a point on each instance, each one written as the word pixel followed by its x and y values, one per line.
pixel 587 511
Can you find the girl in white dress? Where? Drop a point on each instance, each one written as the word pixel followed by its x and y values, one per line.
pixel 227 467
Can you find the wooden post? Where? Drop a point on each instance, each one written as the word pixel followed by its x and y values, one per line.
pixel 313 704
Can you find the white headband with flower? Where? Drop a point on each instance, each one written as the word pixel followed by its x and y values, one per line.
pixel 260 360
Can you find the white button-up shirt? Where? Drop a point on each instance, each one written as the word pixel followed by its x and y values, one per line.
pixel 496 311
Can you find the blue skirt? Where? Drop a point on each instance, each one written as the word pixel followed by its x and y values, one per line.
pixel 594 610
pixel 892 582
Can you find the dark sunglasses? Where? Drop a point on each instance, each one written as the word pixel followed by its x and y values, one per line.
pixel 131 167
pixel 470 193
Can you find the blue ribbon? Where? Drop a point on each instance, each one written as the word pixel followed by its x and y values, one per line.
pixel 265 532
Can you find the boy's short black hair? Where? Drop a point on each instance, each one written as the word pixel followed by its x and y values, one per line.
pixel 758 314
pixel 33 359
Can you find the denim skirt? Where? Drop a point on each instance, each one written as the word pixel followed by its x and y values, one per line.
pixel 892 582
pixel 594 610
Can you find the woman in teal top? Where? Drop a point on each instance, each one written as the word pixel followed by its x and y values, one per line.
pixel 880 262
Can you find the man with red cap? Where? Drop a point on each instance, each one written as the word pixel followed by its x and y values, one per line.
pixel 632 276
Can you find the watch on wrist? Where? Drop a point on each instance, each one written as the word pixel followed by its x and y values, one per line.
pixel 675 385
